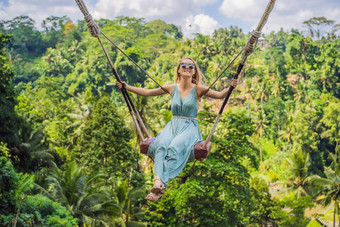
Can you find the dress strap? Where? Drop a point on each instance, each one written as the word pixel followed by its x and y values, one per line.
pixel 173 90
pixel 196 95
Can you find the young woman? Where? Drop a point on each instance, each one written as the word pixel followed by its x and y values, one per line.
pixel 174 145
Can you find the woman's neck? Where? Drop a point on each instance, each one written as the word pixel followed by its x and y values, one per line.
pixel 185 83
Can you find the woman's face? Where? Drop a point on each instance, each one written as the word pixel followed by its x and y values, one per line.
pixel 186 68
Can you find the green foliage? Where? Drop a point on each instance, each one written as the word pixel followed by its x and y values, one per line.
pixel 54 28
pixel 234 131
pixel 326 76
pixel 266 209
pixel 298 173
pixel 46 212
pixel 331 119
pixel 278 39
pixel 301 53
pixel 33 209
pixel 219 193
pixel 4 151
pixel 26 40
pixel 295 211
pixel 275 111
pixel 159 26
pixel 104 142
pixel 40 210
pixel 9 180
pixel 85 196
pixel 285 124
pixel 42 102
pixel 55 63
pixel 316 26
pixel 228 40
pixel 329 183
pixel 8 117
pixel 129 199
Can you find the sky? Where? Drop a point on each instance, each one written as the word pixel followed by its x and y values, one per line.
pixel 194 16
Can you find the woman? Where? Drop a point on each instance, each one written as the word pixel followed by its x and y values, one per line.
pixel 174 146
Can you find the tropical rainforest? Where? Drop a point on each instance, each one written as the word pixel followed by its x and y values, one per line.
pixel 70 151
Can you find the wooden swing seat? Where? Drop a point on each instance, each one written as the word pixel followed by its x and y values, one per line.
pixel 200 151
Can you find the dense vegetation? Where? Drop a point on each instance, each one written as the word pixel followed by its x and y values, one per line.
pixel 69 150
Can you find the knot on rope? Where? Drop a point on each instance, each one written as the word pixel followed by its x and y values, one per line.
pixel 255 35
pixel 93 26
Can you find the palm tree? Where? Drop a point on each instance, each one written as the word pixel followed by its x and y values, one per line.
pixel 33 150
pixel 86 196
pixel 82 113
pixel 278 88
pixel 329 185
pixel 74 51
pixel 331 119
pixel 286 134
pixel 300 92
pixel 54 63
pixel 261 127
pixel 298 183
pixel 127 198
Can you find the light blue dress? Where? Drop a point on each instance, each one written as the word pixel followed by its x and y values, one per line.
pixel 174 145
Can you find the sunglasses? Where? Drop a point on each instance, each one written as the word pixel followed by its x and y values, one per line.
pixel 190 65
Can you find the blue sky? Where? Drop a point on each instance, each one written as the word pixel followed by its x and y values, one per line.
pixel 204 16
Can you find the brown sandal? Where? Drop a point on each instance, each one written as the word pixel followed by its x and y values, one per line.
pixel 153 197
pixel 158 189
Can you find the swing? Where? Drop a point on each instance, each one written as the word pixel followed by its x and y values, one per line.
pixel 202 148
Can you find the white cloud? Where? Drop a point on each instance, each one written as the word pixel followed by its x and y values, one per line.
pixel 247 10
pixel 39 10
pixel 173 11
pixel 286 14
pixel 177 12
pixel 200 23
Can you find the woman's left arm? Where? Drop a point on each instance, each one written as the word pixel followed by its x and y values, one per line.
pixel 215 94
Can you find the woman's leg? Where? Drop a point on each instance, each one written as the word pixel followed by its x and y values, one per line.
pixel 158 182
pixel 158 186
pixel 157 190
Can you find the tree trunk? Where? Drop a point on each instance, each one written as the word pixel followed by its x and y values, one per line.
pixel 18 212
pixel 261 148
pixel 337 205
pixel 334 214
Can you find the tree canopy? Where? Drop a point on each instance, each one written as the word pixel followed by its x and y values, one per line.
pixel 69 150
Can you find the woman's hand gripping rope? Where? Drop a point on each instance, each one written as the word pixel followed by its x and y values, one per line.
pixel 120 85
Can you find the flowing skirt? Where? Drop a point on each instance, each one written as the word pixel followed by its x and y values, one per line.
pixel 174 147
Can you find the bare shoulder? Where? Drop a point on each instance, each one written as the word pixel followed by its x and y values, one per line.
pixel 169 87
pixel 201 89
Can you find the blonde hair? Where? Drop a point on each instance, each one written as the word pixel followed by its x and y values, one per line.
pixel 196 78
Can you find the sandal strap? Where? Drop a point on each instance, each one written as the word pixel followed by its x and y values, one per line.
pixel 156 190
pixel 154 197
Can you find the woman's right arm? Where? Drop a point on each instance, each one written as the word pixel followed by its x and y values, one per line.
pixel 147 92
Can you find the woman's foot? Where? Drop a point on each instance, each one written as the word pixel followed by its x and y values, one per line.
pixel 158 187
pixel 153 197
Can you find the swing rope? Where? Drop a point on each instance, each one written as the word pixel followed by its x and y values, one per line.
pixel 147 74
pixel 95 32
pixel 247 51
pixel 232 61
